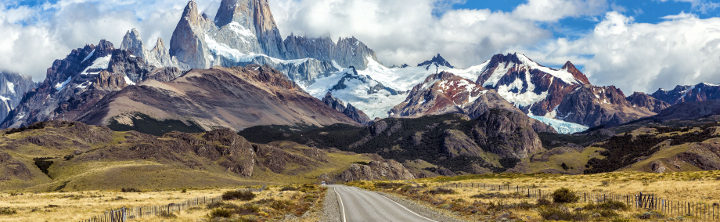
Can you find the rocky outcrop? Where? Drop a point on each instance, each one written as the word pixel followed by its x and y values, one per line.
pixel 376 170
pixel 13 87
pixel 595 106
pixel 447 93
pixel 697 93
pixel 77 82
pixel 349 110
pixel 569 67
pixel 346 52
pixel 436 61
pixel 234 98
pixel 689 111
pixel 133 43
pixel 187 43
pixel 648 102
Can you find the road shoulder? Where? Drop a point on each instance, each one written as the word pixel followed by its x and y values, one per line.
pixel 421 209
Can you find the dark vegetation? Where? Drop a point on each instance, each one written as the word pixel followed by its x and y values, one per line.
pixel 7 211
pixel 399 139
pixel 130 190
pixel 43 164
pixel 564 195
pixel 238 195
pixel 146 124
pixel 39 125
pixel 624 150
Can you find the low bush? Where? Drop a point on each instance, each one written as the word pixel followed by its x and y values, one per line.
pixel 650 215
pixel 561 213
pixel 238 195
pixel 440 190
pixel 388 185
pixel 564 195
pixel 167 215
pixel 7 211
pixel 130 189
pixel 288 188
pixel 498 195
pixel 220 212
pixel 607 205
pixel 543 202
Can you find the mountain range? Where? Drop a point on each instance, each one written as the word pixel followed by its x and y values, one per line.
pixel 235 71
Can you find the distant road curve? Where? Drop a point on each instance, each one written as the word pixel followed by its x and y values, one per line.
pixel 358 205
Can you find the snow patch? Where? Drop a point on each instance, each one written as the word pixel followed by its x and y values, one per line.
pixel 11 87
pixel 88 56
pixel 61 85
pixel 128 80
pixel 99 64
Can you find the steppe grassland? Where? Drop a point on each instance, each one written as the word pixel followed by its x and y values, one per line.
pixel 476 203
pixel 76 206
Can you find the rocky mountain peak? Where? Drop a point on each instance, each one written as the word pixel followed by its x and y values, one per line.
pixel 569 67
pixel 191 13
pixel 133 42
pixel 685 93
pixel 159 45
pixel 438 60
pixel 639 99
pixel 256 16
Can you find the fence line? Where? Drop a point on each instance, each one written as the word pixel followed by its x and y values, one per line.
pixel 128 213
pixel 667 207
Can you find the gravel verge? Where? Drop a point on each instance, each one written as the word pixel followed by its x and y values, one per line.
pixel 331 207
pixel 422 209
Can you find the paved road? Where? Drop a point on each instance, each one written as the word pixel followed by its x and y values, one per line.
pixel 362 205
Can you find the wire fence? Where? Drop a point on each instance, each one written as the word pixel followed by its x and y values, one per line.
pixel 648 201
pixel 129 213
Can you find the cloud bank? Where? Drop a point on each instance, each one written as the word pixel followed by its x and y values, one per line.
pixel 682 49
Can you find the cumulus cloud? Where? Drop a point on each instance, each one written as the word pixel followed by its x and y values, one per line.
pixel 35 36
pixel 702 6
pixel 409 31
pixel 644 57
pixel 553 10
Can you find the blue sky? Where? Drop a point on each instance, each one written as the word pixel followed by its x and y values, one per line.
pixel 637 45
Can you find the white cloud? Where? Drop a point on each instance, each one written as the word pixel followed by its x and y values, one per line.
pixel 553 10
pixel 35 36
pixel 408 31
pixel 642 56
pixel 702 6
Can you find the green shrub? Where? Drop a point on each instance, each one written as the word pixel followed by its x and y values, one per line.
pixel 440 190
pixel 7 211
pixel 221 212
pixel 288 188
pixel 558 213
pixel 130 189
pixel 607 205
pixel 238 195
pixel 222 205
pixel 280 204
pixel 388 185
pixel 167 215
pixel 564 195
pixel 543 202
pixel 650 215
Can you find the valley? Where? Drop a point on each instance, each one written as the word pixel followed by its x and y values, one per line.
pixel 238 120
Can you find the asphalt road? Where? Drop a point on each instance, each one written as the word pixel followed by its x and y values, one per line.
pixel 362 205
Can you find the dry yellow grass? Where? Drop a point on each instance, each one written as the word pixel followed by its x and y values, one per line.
pixel 477 203
pixel 75 206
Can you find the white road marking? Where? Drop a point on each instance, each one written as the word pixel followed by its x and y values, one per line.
pixel 342 207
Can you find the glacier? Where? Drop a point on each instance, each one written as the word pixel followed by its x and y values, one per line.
pixel 559 125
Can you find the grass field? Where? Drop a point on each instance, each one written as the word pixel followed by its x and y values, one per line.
pixel 274 203
pixel 474 203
